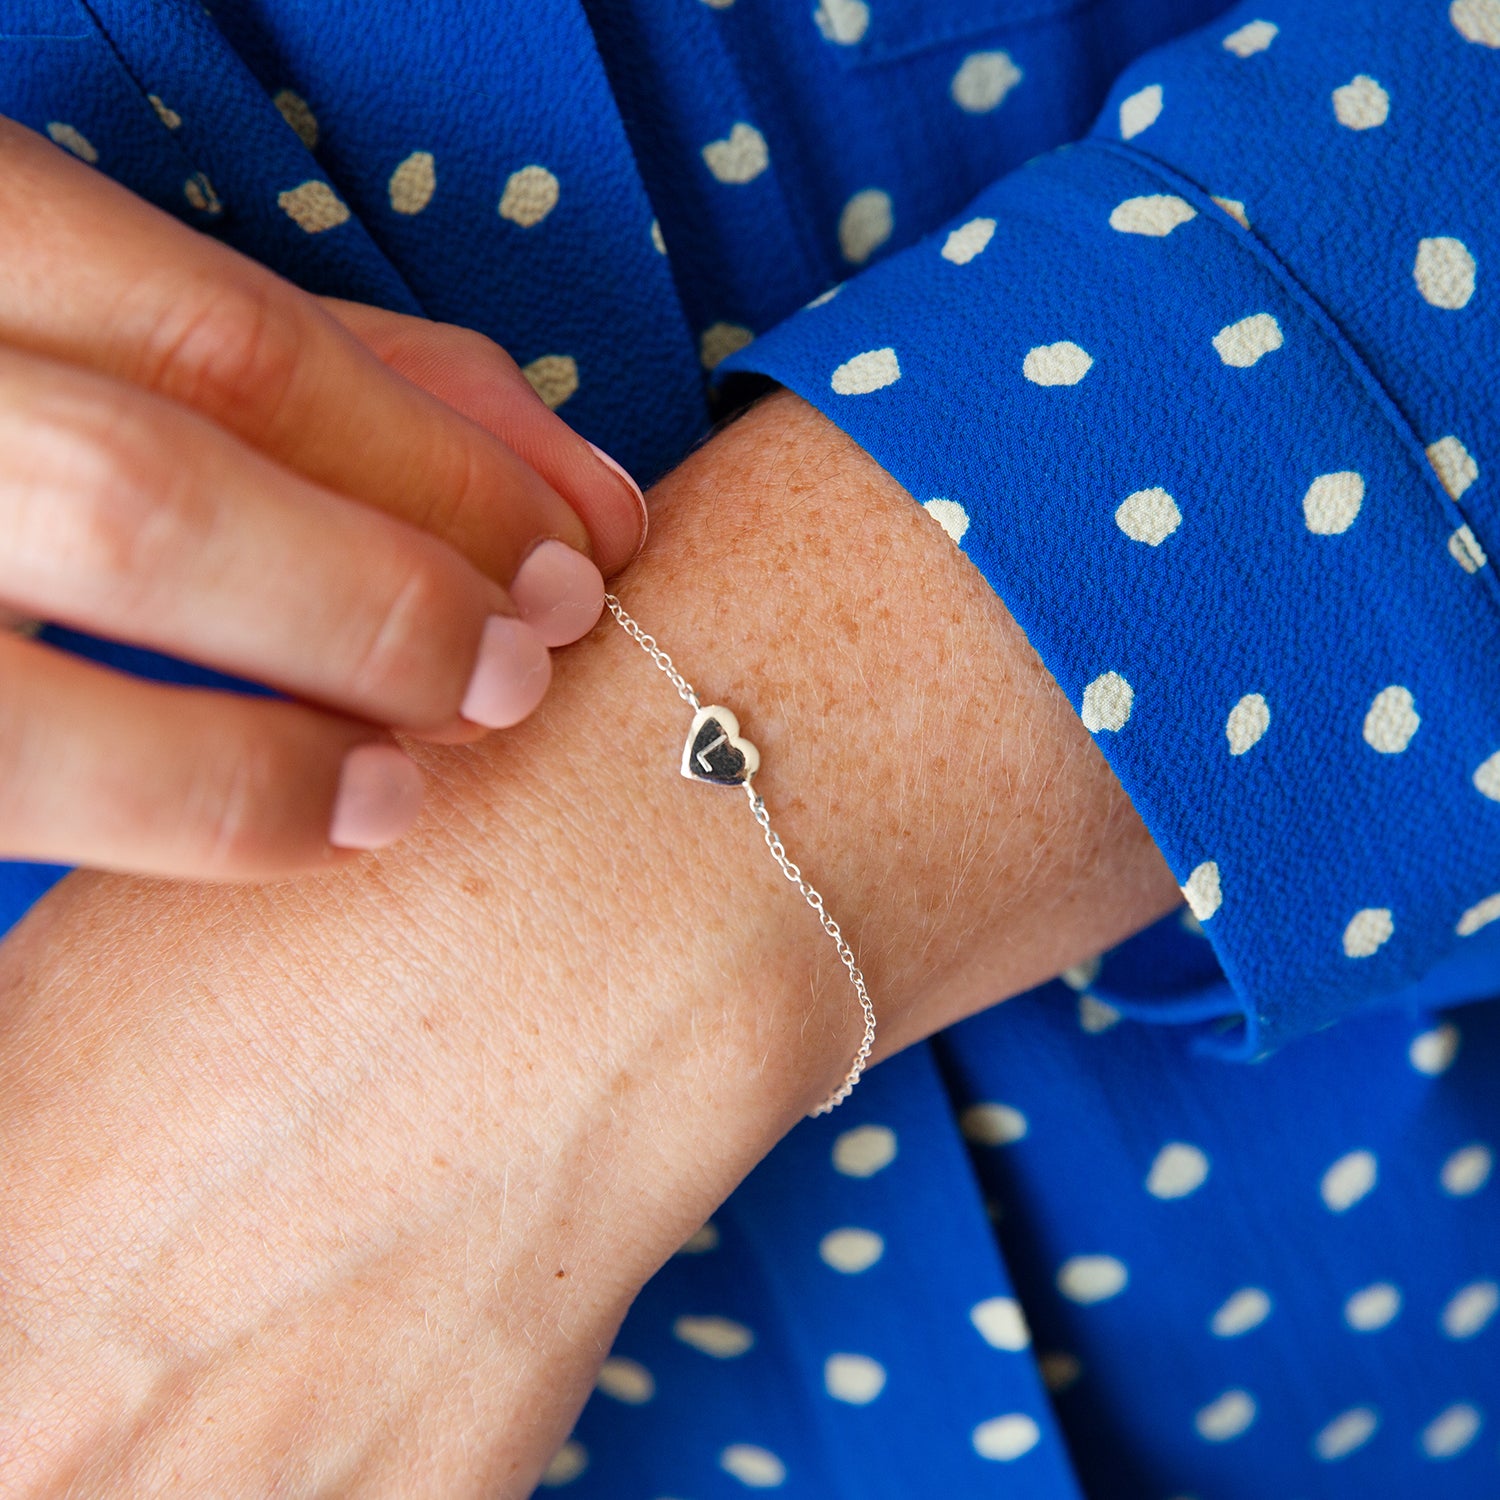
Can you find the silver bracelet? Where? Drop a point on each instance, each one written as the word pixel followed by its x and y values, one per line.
pixel 715 752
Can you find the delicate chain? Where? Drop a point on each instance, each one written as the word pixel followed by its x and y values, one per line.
pixel 648 645
pixel 809 892
pixel 815 900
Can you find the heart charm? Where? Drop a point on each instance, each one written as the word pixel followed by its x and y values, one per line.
pixel 715 752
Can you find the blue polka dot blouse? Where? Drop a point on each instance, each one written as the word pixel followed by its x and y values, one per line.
pixel 1183 322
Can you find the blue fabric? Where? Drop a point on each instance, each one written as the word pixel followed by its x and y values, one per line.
pixel 1065 1249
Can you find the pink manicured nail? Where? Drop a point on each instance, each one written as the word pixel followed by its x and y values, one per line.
pixel 559 592
pixel 511 676
pixel 615 466
pixel 379 795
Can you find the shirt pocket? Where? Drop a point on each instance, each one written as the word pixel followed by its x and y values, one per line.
pixel 868 33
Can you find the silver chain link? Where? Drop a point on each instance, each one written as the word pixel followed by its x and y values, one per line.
pixel 809 892
pixel 648 644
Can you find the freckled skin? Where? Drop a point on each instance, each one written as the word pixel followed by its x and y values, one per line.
pixel 440 1114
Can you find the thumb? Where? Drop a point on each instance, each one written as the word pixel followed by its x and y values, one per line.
pixel 479 380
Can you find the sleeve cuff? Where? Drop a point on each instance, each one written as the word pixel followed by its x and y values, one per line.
pixel 1224 541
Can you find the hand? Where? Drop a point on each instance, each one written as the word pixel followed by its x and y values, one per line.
pixel 342 1187
pixel 203 460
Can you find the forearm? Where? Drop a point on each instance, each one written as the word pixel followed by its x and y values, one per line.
pixel 485 1083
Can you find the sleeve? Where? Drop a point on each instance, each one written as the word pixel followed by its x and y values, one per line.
pixel 1210 398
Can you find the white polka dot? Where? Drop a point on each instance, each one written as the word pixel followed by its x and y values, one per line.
pixel 719 341
pixel 983 80
pixel 1348 1180
pixel 950 515
pixel 294 109
pixel 1470 1308
pixel 1451 1431
pixel 1242 344
pixel 1248 1308
pixel 842 22
pixel 855 1378
pixel 871 371
pixel 1361 104
pixel 554 377
pixel 1094 1016
pixel 1453 464
pixel 658 244
pixel 865 225
pixel 1062 363
pixel 1332 502
pixel 722 1338
pixel 1189 923
pixel 1373 1307
pixel 992 1124
pixel 530 195
pixel 1091 1278
pixel 1477 21
pixel 73 140
pixel 313 206
pixel 1202 890
pixel 865 1150
pixel 1179 1169
pixel 1107 702
pixel 967 241
pixel 169 117
pixel 1444 272
pixel 1252 37
pixel 1148 516
pixel 413 183
pixel 626 1381
pixel 199 192
pixel 1156 214
pixel 1433 1051
pixel 1349 1430
pixel 1081 976
pixel 824 298
pixel 1391 720
pixel 1487 777
pixel 701 1240
pixel 1368 931
pixel 1001 1323
pixel 1481 914
pixel 567 1464
pixel 1226 1417
pixel 757 1468
pixel 1247 723
pixel 740 157
pixel 718 4
pixel 1464 549
pixel 1235 209
pixel 1006 1438
pixel 1467 1170
pixel 851 1250
pixel 1140 110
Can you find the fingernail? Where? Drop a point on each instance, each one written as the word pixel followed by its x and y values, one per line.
pixel 379 795
pixel 558 592
pixel 617 467
pixel 511 676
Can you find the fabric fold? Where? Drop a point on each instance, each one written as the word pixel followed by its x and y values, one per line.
pixel 1223 539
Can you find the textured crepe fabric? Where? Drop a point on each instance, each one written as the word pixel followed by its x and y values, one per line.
pixel 1209 396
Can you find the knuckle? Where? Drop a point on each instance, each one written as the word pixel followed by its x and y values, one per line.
pixel 405 656
pixel 232 350
pixel 99 501
pixel 457 482
pixel 224 811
